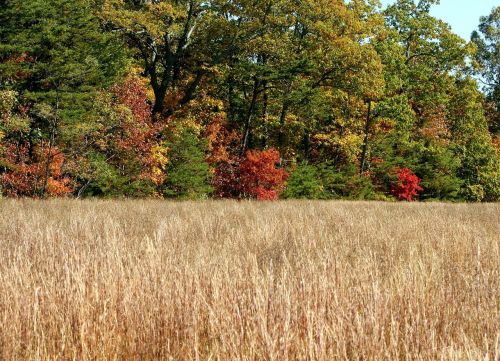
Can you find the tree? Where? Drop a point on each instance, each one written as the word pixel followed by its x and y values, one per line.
pixel 305 183
pixel 160 98
pixel 425 70
pixel 120 152
pixel 168 38
pixel 422 54
pixel 407 186
pixel 55 56
pixel 188 175
pixel 487 41
pixel 472 143
pixel 23 167
pixel 296 68
pixel 256 176
pixel 260 178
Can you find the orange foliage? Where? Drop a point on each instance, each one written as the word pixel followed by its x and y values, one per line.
pixel 254 176
pixel 139 136
pixel 26 172
pixel 220 140
pixel 436 126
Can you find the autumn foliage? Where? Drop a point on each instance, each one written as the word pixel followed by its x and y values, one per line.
pixel 254 176
pixel 196 99
pixel 35 174
pixel 260 178
pixel 407 186
pixel 139 136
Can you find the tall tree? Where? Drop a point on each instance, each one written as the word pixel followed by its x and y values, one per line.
pixel 487 40
pixel 295 64
pixel 169 38
pixel 56 57
pixel 430 100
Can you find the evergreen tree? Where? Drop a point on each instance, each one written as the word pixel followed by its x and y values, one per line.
pixel 56 57
pixel 487 40
pixel 305 183
pixel 188 175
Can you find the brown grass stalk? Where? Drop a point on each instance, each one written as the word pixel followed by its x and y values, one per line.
pixel 153 280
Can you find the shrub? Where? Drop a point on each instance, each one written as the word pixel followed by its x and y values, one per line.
pixel 254 176
pixel 407 186
pixel 346 182
pixel 226 179
pixel 101 178
pixel 188 173
pixel 305 183
pixel 260 178
pixel 39 174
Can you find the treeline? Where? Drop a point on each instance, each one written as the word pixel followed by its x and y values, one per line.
pixel 191 99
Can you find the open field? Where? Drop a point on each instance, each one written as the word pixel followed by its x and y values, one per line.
pixel 144 280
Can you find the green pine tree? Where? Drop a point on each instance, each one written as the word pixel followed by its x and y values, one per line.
pixel 305 183
pixel 55 55
pixel 188 174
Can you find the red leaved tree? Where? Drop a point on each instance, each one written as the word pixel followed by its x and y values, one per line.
pixel 260 178
pixel 26 171
pixel 138 138
pixel 254 176
pixel 226 180
pixel 407 186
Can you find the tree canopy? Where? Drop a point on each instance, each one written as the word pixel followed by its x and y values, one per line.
pixel 247 99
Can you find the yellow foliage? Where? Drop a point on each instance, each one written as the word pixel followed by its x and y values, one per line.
pixel 159 155
pixel 349 144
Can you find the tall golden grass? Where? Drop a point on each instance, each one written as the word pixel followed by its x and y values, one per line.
pixel 152 280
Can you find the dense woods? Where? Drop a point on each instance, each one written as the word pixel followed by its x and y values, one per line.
pixel 191 99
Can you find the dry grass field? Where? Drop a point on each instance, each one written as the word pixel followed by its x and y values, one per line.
pixel 152 280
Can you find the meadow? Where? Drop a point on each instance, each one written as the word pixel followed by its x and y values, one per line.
pixel 223 280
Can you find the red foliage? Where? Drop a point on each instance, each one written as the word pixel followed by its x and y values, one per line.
pixel 26 173
pixel 259 176
pixel 226 180
pixel 220 140
pixel 407 186
pixel 140 136
pixel 133 94
pixel 255 176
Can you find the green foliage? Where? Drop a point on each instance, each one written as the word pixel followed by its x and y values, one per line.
pixel 104 180
pixel 305 183
pixel 324 181
pixel 188 174
pixel 480 171
pixel 487 41
pixel 434 163
pixel 437 167
pixel 57 59
pixel 472 142
pixel 172 42
pixel 349 93
pixel 347 183
pixel 56 52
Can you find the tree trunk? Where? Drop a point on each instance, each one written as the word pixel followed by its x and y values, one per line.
pixel 307 145
pixel 265 99
pixel 364 152
pixel 281 134
pixel 248 121
pixel 160 93
pixel 52 138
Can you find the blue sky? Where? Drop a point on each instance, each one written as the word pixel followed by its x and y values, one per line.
pixel 462 15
